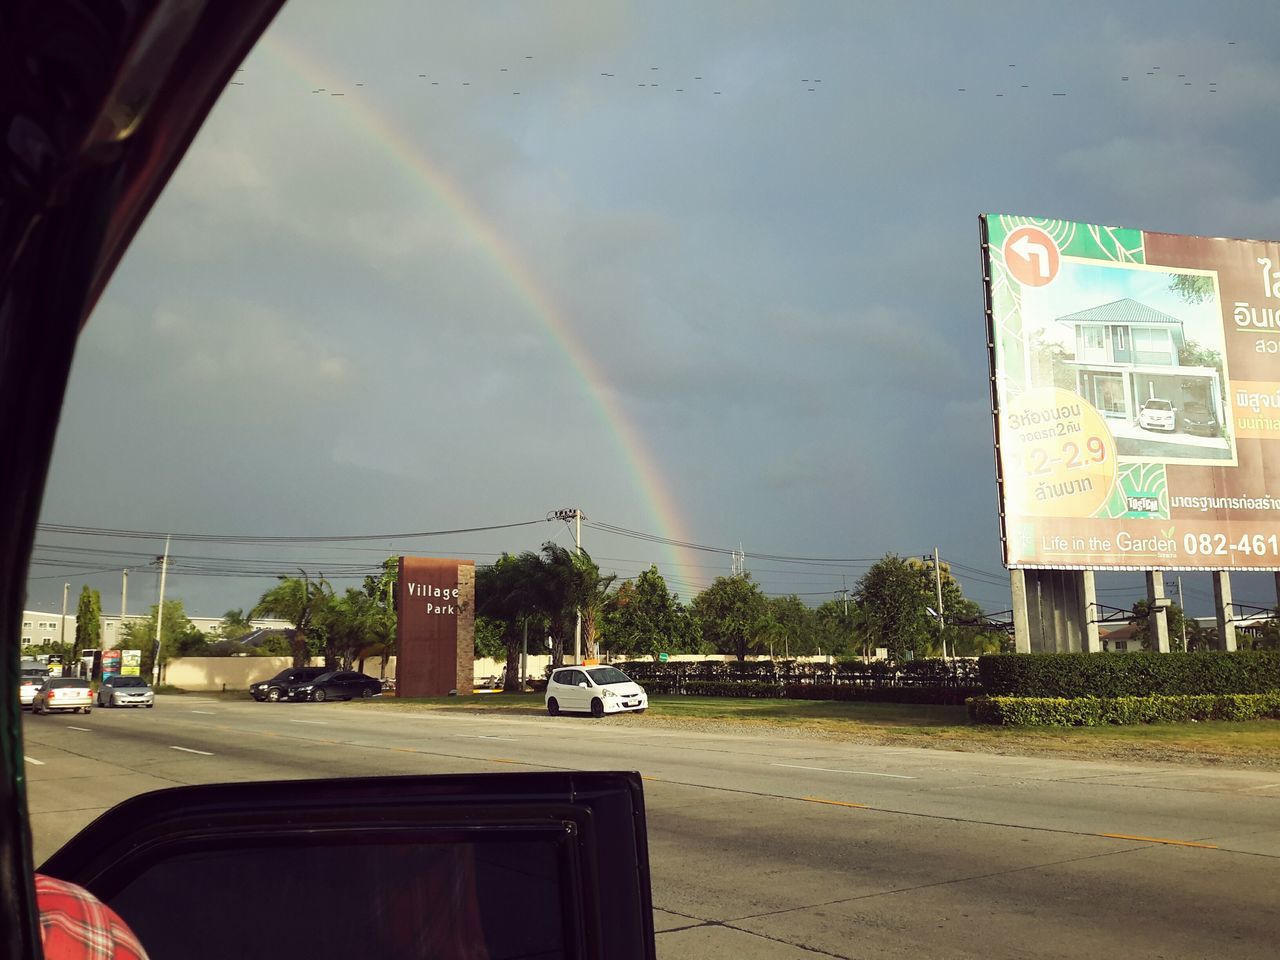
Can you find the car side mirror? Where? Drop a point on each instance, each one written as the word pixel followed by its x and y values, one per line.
pixel 457 867
pixel 582 683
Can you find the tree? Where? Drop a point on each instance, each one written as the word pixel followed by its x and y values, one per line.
pixel 298 600
pixel 841 627
pixel 591 596
pixel 792 627
pixel 892 595
pixel 733 614
pixel 1191 287
pixel 381 590
pixel 515 592
pixel 645 618
pixel 489 643
pixel 1141 620
pixel 180 638
pixel 235 625
pixel 88 619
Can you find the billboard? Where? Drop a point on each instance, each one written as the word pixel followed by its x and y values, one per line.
pixel 435 627
pixel 110 663
pixel 1135 384
pixel 130 663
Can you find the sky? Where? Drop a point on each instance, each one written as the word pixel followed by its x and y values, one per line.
pixel 706 271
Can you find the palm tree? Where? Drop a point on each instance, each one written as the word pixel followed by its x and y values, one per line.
pixel 298 600
pixel 514 591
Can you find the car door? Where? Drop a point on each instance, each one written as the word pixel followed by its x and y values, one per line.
pixel 581 697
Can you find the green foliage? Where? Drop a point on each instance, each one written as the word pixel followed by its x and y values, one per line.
pixel 840 627
pixel 298 600
pixel 179 638
pixel 646 619
pixel 1142 629
pixel 882 694
pixel 235 625
pixel 88 619
pixel 893 597
pixel 791 628
pixel 1104 711
pixel 1191 287
pixel 1072 675
pixel 489 639
pixel 733 614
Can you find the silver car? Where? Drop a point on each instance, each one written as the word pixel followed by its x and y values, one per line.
pixel 126 692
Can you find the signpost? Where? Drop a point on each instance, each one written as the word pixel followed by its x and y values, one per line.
pixel 663 657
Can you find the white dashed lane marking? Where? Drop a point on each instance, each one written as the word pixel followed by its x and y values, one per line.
pixel 203 753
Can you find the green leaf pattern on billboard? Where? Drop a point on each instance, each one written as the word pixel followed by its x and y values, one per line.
pixel 1138 481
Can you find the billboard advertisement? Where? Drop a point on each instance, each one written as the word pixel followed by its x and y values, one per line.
pixel 1135 383
pixel 110 663
pixel 130 663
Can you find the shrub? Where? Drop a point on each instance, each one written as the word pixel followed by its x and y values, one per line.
pixel 887 694
pixel 1073 675
pixel 1102 711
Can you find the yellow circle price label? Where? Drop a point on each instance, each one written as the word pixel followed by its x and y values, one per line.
pixel 1059 455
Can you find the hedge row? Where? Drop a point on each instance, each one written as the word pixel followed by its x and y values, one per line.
pixel 1107 675
pixel 1104 711
pixel 924 672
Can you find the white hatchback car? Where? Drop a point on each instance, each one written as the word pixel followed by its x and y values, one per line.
pixel 1157 414
pixel 594 690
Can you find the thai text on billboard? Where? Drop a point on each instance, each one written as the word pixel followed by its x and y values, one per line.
pixel 1136 395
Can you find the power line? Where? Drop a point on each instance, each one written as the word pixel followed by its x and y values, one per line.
pixel 253 539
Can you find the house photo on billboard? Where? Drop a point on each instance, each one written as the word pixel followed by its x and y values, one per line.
pixel 1127 364
pixel 1145 347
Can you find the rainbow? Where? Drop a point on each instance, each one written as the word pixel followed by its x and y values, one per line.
pixel 419 169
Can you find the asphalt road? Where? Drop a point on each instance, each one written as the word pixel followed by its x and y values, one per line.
pixel 779 846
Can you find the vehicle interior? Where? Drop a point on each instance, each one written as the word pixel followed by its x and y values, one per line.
pixel 99 103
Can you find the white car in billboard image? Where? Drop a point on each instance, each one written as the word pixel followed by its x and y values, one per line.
pixel 594 690
pixel 1157 414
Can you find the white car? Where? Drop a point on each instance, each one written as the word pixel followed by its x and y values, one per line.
pixel 63 693
pixel 1157 414
pixel 30 683
pixel 119 691
pixel 594 690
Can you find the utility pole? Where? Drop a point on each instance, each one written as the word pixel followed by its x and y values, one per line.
pixel 577 516
pixel 937 577
pixel 164 569
pixel 124 605
pixel 62 638
pixel 524 656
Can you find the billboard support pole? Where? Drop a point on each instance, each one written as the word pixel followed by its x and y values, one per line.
pixel 1222 607
pixel 1089 599
pixel 1021 622
pixel 1157 620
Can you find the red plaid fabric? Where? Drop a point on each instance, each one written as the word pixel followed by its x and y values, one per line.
pixel 76 925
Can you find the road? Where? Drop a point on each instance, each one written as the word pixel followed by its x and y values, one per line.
pixel 778 846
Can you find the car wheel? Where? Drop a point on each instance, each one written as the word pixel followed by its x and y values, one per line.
pixel 319 696
pixel 366 693
pixel 275 695
pixel 553 707
pixel 151 705
pixel 641 710
pixel 86 710
pixel 597 707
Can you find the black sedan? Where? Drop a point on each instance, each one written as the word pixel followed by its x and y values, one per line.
pixel 337 685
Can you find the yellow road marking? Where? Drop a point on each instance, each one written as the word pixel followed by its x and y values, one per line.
pixel 1172 843
pixel 836 803
pixel 501 760
pixel 404 749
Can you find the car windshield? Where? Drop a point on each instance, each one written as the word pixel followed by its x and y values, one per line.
pixel 472 342
pixel 606 675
